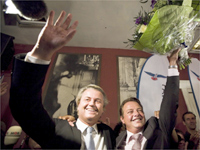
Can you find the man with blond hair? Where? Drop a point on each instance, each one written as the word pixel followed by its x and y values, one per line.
pixel 26 102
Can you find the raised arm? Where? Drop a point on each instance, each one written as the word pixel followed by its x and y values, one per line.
pixel 167 115
pixel 27 81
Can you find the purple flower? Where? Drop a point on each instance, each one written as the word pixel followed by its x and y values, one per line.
pixel 138 20
pixel 153 3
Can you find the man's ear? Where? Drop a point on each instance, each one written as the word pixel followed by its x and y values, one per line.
pixel 184 123
pixel 122 119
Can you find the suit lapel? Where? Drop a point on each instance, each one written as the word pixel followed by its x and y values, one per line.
pixel 149 132
pixel 68 132
pixel 120 139
pixel 76 133
pixel 106 136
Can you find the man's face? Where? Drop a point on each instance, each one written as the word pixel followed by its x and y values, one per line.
pixel 90 107
pixel 190 121
pixel 133 117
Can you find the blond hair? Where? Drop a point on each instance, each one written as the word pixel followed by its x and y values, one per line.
pixel 92 86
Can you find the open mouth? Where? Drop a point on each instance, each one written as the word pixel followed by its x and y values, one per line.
pixel 91 110
pixel 137 119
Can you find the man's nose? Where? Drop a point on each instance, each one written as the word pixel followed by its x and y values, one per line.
pixel 136 113
pixel 91 102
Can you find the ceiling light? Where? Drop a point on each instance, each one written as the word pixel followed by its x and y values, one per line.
pixel 11 9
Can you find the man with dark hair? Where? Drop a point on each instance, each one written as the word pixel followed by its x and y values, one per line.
pixel 155 133
pixel 191 135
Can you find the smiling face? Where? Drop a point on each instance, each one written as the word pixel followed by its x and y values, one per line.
pixel 90 107
pixel 133 117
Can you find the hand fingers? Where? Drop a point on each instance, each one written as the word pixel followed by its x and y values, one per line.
pixel 63 118
pixel 3 91
pixel 70 35
pixel 179 50
pixel 73 26
pixel 71 124
pixel 60 18
pixel 156 114
pixel 72 31
pixel 186 145
pixel 70 119
pixel 59 117
pixel 65 25
pixel 175 52
pixel 50 18
pixel 4 85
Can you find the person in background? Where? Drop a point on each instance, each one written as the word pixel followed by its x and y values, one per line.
pixel 192 136
pixel 155 133
pixel 119 127
pixel 29 143
pixel 178 139
pixel 26 101
pixel 182 144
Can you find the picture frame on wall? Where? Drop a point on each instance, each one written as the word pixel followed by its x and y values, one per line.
pixel 68 74
pixel 129 69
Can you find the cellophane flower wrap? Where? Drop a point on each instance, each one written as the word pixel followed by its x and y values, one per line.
pixel 169 26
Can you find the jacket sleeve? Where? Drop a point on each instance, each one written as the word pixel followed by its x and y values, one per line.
pixel 26 104
pixel 169 105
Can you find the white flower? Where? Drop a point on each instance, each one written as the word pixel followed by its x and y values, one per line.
pixel 142 28
pixel 184 53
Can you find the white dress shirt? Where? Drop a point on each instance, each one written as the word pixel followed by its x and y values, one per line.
pixel 127 145
pixel 98 137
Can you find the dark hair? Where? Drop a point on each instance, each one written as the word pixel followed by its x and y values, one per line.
pixel 131 99
pixel 118 128
pixel 188 112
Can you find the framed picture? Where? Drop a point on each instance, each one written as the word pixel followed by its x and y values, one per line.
pixel 69 73
pixel 128 74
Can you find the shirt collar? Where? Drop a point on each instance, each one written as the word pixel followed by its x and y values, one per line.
pixel 82 126
pixel 129 134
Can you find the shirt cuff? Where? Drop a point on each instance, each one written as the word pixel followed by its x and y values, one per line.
pixel 173 72
pixel 35 60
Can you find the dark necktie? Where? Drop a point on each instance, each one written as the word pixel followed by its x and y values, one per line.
pixel 89 139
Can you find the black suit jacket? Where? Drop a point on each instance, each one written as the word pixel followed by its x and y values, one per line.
pixel 27 109
pixel 158 132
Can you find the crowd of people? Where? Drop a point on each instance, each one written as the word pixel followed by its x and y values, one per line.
pixel 87 132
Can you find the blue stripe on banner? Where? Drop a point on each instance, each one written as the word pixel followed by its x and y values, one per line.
pixel 140 77
pixel 193 90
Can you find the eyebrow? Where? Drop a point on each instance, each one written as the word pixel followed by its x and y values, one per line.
pixel 95 98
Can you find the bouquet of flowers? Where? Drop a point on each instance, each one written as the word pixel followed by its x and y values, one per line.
pixel 166 28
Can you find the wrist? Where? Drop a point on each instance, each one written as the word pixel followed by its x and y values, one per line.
pixel 40 53
pixel 173 67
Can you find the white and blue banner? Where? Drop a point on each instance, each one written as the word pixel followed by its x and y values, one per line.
pixel 152 83
pixel 194 77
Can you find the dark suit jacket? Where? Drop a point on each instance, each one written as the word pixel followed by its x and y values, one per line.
pixel 159 131
pixel 27 109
